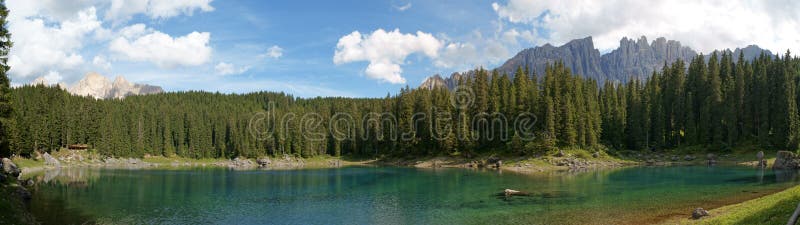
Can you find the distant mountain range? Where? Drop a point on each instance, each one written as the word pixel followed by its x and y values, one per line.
pixel 100 87
pixel 633 59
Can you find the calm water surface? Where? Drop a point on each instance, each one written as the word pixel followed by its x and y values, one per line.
pixel 386 195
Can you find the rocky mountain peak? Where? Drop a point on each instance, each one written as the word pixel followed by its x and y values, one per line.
pixel 633 59
pixel 93 84
pixel 100 87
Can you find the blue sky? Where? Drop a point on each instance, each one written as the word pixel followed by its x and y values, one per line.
pixel 348 48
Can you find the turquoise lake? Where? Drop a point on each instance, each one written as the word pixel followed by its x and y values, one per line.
pixel 390 195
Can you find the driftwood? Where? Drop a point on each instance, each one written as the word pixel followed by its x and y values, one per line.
pixel 511 192
pixel 793 219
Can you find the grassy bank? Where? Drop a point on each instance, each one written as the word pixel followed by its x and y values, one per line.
pixel 771 209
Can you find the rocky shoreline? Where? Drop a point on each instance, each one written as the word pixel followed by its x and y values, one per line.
pixel 14 197
pixel 78 159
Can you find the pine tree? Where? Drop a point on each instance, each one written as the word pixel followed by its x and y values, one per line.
pixel 6 124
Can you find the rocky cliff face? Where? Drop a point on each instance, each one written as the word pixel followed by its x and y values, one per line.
pixel 92 84
pixel 579 55
pixel 98 86
pixel 122 88
pixel 437 81
pixel 633 59
pixel 637 59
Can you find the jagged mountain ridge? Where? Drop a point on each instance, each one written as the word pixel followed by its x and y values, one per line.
pixel 633 59
pixel 100 87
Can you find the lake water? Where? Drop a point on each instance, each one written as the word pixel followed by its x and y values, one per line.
pixel 388 195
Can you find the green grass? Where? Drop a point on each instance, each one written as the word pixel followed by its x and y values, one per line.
pixel 27 163
pixel 770 209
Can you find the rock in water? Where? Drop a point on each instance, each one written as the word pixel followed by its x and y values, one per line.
pixel 761 162
pixel 785 160
pixel 698 213
pixel 50 160
pixel 263 162
pixel 10 168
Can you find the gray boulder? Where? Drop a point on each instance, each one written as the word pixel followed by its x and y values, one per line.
pixel 699 213
pixel 785 160
pixel 240 162
pixel 50 160
pixel 10 168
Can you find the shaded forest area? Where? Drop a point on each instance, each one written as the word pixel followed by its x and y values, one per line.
pixel 719 103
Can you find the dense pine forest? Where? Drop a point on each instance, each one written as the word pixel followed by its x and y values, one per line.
pixel 717 102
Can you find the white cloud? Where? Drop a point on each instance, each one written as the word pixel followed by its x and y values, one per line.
pixel 101 62
pixel 121 10
pixel 53 77
pixel 161 49
pixel 58 10
pixel 403 7
pixel 274 52
pixel 477 50
pixel 703 25
pixel 41 46
pixel 134 31
pixel 223 68
pixel 385 51
pixel 513 36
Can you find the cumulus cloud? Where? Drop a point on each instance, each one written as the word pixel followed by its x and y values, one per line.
pixel 274 52
pixel 121 10
pixel 101 62
pixel 143 45
pixel 385 51
pixel 51 36
pixel 223 68
pixel 703 25
pixel 41 46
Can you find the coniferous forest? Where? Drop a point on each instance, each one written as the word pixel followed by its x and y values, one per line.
pixel 717 102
